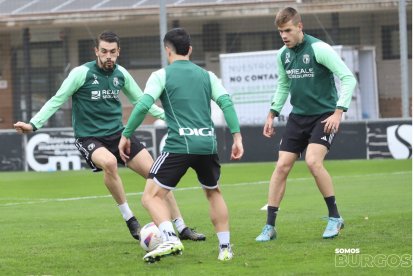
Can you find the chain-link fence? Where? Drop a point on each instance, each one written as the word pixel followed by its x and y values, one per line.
pixel 41 41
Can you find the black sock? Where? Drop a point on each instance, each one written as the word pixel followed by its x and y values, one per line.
pixel 331 203
pixel 271 215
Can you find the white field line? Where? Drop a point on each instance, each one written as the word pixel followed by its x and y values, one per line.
pixel 46 200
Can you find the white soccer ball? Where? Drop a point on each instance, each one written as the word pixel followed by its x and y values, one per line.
pixel 150 237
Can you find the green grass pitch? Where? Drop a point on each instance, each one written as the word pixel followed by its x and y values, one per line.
pixel 65 223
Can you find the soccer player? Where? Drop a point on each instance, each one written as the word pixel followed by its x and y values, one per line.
pixel 97 122
pixel 186 91
pixel 306 68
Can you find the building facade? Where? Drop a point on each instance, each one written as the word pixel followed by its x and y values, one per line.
pixel 41 41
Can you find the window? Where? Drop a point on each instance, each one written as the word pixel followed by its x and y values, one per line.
pixel 258 41
pixel 140 52
pixel 198 51
pixel 37 81
pixel 346 36
pixel 86 50
pixel 246 42
pixel 390 36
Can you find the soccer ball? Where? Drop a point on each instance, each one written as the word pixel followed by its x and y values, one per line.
pixel 150 237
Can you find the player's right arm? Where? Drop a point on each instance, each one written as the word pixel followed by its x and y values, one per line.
pixel 279 98
pixel 134 94
pixel 223 100
pixel 69 86
pixel 153 90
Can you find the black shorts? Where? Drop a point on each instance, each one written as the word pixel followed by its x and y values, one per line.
pixel 304 130
pixel 87 145
pixel 168 169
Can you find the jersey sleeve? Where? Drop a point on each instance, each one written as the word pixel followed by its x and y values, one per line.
pixel 134 93
pixel 220 95
pixel 70 85
pixel 155 84
pixel 327 56
pixel 217 88
pixel 283 84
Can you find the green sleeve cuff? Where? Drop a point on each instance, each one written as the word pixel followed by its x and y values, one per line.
pixel 226 105
pixel 344 109
pixel 274 112
pixel 33 126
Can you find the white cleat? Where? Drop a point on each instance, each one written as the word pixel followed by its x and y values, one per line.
pixel 225 254
pixel 164 249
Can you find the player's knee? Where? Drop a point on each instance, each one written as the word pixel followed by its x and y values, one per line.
pixel 212 192
pixel 110 165
pixel 313 164
pixel 283 168
pixel 145 200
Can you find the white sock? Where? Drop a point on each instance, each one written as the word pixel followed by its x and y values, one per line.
pixel 223 237
pixel 179 224
pixel 167 231
pixel 125 211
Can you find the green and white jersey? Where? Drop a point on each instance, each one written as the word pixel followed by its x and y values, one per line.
pixel 307 73
pixel 185 91
pixel 96 107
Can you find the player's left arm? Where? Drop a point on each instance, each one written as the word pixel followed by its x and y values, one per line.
pixel 327 56
pixel 223 100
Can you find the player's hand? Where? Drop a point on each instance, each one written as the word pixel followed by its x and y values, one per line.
pixel 124 148
pixel 268 129
pixel 22 127
pixel 237 150
pixel 332 122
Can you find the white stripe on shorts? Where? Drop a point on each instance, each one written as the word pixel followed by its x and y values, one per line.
pixel 157 164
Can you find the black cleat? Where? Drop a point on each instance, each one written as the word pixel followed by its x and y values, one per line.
pixel 191 234
pixel 134 227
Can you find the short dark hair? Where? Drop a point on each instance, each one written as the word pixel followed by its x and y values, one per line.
pixel 179 40
pixel 287 14
pixel 108 36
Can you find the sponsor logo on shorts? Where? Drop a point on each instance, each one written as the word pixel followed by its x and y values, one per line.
pixel 91 146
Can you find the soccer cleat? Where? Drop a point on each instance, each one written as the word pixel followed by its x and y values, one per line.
pixel 268 233
pixel 191 234
pixel 334 226
pixel 134 227
pixel 225 254
pixel 164 249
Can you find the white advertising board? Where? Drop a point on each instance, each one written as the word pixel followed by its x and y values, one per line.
pixel 251 79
